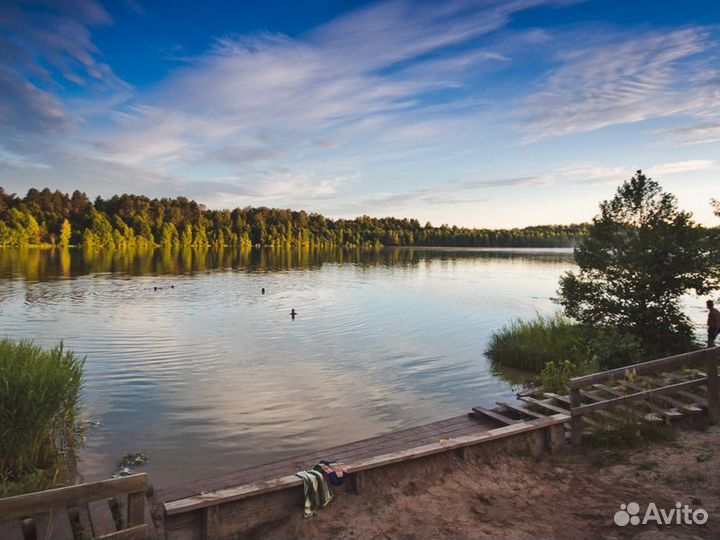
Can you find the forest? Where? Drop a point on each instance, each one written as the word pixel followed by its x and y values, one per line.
pixel 53 218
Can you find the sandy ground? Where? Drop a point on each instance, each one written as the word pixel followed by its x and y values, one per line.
pixel 567 495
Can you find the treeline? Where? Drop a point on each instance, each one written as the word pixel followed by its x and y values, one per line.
pixel 56 218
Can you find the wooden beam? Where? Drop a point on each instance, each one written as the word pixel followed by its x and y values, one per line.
pixel 235 493
pixel 713 386
pixel 483 412
pixel 11 530
pixel 521 410
pixel 584 409
pixel 669 414
pixel 139 532
pixel 694 358
pixel 54 525
pixel 688 407
pixel 101 517
pixel 22 506
pixel 545 405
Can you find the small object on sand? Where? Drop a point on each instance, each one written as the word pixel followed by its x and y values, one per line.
pixel 293 313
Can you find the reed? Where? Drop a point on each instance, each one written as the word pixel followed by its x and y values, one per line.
pixel 531 345
pixel 40 393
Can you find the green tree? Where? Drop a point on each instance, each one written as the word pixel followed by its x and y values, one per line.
pixel 640 256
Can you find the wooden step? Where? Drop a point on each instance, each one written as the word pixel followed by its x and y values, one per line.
pixel 545 405
pixel 481 412
pixel 521 410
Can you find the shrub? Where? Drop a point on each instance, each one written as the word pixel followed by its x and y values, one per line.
pixel 39 409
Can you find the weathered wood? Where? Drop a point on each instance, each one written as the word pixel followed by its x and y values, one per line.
pixel 562 399
pixel 25 505
pixel 697 400
pixel 667 413
pixel 713 386
pixel 482 411
pixel 150 522
pixel 694 358
pixel 135 509
pixel 346 453
pixel 235 493
pixel 101 517
pixel 576 419
pixel 545 405
pixel 358 482
pixel 211 528
pixel 521 410
pixel 580 410
pixel 11 530
pixel 54 525
pixel 85 523
pixel 139 532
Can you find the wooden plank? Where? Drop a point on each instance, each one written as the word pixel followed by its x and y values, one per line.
pixel 11 530
pixel 24 505
pixel 101 518
pixel 85 523
pixel 504 420
pixel 211 529
pixel 54 525
pixel 584 409
pixel 561 399
pixel 697 400
pixel 521 410
pixel 545 405
pixel 152 530
pixel 346 453
pixel 668 413
pixel 694 358
pixel 135 509
pixel 688 407
pixel 139 532
pixel 235 493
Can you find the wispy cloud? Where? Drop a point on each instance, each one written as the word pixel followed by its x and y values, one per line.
pixel 618 79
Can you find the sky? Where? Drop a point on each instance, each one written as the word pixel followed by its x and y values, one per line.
pixel 475 113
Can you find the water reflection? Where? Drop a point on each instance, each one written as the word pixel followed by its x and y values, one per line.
pixel 206 374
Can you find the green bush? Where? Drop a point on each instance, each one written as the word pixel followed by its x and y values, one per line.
pixel 39 410
pixel 555 376
pixel 531 345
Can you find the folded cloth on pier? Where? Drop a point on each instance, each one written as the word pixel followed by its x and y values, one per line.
pixel 334 471
pixel 317 492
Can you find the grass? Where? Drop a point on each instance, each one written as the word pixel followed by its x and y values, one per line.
pixel 39 414
pixel 531 345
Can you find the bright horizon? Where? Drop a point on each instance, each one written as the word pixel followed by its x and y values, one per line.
pixel 478 114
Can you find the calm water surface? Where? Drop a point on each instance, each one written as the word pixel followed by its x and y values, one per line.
pixel 206 375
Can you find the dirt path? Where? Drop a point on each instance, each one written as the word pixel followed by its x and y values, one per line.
pixel 568 496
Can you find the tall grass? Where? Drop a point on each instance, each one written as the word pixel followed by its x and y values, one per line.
pixel 39 409
pixel 531 345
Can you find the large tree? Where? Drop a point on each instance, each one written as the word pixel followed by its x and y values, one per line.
pixel 640 256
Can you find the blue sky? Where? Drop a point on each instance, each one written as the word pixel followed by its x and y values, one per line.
pixel 487 113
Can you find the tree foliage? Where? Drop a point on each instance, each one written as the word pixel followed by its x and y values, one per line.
pixel 640 256
pixel 137 221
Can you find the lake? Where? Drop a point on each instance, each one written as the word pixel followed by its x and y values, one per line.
pixel 206 375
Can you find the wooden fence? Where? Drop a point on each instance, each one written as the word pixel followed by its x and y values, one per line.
pixel 706 359
pixel 114 509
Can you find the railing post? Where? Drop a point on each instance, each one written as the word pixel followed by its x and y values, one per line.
pixel 575 419
pixel 711 368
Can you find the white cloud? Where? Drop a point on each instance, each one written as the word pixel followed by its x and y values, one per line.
pixel 603 80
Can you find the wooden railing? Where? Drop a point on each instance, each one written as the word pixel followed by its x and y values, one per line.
pixel 50 511
pixel 706 359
